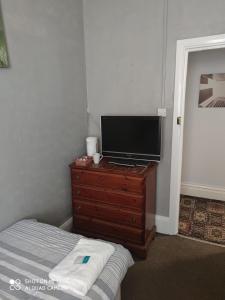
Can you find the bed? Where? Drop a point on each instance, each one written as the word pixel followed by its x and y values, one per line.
pixel 29 250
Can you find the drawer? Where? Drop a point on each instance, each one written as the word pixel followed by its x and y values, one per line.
pixel 108 213
pixel 112 181
pixel 120 199
pixel 108 229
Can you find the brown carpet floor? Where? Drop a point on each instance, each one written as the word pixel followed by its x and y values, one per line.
pixel 178 269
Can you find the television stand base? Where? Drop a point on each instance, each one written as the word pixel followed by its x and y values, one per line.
pixel 128 162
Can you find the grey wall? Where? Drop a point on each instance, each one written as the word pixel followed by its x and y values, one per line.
pixel 124 55
pixel 42 108
pixel 124 42
pixel 204 143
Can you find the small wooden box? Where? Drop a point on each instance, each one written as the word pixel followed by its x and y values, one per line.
pixel 83 161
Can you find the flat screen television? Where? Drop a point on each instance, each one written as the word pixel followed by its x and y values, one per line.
pixel 131 137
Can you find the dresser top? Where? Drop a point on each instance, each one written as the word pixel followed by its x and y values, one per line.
pixel 104 166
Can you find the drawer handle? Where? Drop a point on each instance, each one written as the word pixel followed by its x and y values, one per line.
pixel 78 192
pixel 77 177
pixel 78 207
pixel 133 220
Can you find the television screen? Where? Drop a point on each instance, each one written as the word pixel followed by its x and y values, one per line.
pixel 137 137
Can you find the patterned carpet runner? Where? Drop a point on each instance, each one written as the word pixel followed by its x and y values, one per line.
pixel 202 219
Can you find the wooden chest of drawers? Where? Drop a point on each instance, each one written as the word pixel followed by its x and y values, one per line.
pixel 115 203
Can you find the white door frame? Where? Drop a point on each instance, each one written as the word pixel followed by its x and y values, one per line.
pixel 184 47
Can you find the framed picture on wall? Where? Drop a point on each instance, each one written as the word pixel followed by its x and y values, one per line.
pixel 212 90
pixel 4 59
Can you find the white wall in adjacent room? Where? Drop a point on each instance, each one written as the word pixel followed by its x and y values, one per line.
pixel 204 142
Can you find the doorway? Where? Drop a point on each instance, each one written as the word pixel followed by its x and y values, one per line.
pixel 202 208
pixel 184 48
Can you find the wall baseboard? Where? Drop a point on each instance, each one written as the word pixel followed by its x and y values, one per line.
pixel 162 224
pixel 208 192
pixel 67 226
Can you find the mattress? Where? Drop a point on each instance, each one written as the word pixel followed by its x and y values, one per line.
pixel 29 250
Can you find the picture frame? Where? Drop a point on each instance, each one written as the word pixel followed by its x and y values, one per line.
pixel 4 58
pixel 212 90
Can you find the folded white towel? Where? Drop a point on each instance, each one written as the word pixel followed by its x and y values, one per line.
pixel 81 267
